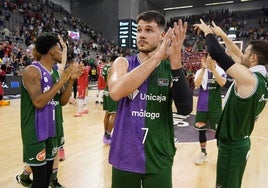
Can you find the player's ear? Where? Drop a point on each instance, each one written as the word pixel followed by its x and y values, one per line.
pixel 162 35
pixel 51 51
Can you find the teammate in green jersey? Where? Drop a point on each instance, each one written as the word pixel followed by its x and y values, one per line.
pixel 243 104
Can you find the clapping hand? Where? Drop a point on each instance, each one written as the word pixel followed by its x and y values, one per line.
pixel 179 31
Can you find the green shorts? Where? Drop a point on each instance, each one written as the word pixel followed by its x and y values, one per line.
pixel 231 164
pixel 210 118
pixel 123 179
pixel 60 141
pixel 60 134
pixel 37 154
pixel 109 104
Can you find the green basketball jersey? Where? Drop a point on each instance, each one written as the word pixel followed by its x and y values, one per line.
pixel 239 114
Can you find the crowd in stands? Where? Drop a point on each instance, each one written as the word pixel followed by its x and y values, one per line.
pixel 35 16
pixel 249 25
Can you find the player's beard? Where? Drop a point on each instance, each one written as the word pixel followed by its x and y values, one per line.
pixel 147 50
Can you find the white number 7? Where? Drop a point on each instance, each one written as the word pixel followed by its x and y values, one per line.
pixel 145 135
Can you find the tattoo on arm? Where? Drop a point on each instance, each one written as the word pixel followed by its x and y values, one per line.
pixel 32 82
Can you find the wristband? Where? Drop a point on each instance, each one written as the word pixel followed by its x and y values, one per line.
pixel 217 52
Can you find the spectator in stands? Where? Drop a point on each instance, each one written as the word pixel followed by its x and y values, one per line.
pixel 2 51
pixel 93 75
pixel 6 33
pixel 3 84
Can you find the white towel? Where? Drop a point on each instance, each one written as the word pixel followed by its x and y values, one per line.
pixel 205 80
pixel 205 77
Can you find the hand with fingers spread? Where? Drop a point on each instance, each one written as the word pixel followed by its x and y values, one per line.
pixel 163 50
pixel 206 29
pixel 62 64
pixel 179 31
pixel 217 30
pixel 62 43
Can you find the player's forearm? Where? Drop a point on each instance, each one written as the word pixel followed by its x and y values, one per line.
pixel 217 52
pixel 126 84
pixel 219 79
pixel 232 48
pixel 65 96
pixel 199 79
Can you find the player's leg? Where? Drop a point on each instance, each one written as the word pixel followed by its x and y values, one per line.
pixel 54 183
pixel 201 125
pixel 107 134
pixel 163 180
pixel 231 162
pixel 123 179
pixel 24 178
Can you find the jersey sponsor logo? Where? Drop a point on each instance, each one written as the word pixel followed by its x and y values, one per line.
pixel 133 94
pixel 144 113
pixel 163 81
pixel 45 78
pixel 47 88
pixel 211 81
pixel 151 97
pixel 41 156
pixel 52 102
pixel 211 88
pixel 30 159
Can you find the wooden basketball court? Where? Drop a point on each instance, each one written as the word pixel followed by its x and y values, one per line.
pixel 86 164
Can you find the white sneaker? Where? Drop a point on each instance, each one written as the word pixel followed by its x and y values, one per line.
pixel 201 159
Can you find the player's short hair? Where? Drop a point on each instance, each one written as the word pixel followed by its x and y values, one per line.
pixel 45 41
pixel 153 15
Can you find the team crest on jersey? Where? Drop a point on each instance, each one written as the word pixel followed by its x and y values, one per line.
pixel 163 81
pixel 133 95
pixel 41 156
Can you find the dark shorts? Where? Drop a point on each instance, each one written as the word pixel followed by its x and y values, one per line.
pixel 37 154
pixel 125 179
pixel 231 164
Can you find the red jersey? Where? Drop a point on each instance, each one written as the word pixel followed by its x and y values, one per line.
pixel 101 81
pixel 82 83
